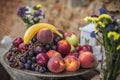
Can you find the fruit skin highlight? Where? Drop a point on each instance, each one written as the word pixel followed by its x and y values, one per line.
pixel 32 31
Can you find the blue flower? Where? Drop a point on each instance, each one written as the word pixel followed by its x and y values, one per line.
pixel 92 34
pixel 94 15
pixel 102 11
pixel 110 27
pixel 112 16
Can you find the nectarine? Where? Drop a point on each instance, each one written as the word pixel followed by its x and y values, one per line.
pixel 56 64
pixel 87 59
pixel 72 63
pixel 51 53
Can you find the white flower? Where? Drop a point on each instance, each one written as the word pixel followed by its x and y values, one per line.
pixel 31 21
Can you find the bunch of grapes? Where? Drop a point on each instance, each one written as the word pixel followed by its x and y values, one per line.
pixel 24 56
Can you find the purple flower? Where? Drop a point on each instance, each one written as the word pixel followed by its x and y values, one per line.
pixel 102 11
pixel 21 11
pixel 94 15
pixel 110 27
pixel 38 13
pixel 92 34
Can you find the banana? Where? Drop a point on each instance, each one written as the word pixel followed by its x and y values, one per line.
pixel 31 31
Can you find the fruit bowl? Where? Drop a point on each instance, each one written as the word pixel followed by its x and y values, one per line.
pixel 49 74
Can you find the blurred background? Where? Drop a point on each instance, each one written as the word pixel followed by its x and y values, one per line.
pixel 65 14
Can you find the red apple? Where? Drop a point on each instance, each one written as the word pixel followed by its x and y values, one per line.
pixel 42 59
pixel 63 47
pixel 87 59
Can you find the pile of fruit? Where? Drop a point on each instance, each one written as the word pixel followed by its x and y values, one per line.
pixel 45 48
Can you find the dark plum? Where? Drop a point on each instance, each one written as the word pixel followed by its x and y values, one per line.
pixel 42 59
pixel 17 41
pixel 22 47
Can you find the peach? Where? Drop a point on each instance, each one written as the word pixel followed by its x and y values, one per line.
pixel 87 59
pixel 72 63
pixel 45 36
pixel 52 53
pixel 56 64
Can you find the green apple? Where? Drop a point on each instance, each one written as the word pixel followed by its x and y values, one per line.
pixel 72 38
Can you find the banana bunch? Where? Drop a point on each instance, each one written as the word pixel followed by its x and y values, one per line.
pixel 31 31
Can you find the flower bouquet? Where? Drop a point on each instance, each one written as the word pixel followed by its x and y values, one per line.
pixel 107 32
pixel 30 15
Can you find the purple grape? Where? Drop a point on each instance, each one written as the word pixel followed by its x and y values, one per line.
pixel 47 46
pixel 42 69
pixel 23 59
pixel 34 40
pixel 33 66
pixel 21 65
pixel 39 49
pixel 37 68
pixel 33 59
pixel 17 41
pixel 29 62
pixel 9 55
pixel 30 53
pixel 12 61
pixel 27 66
pixel 12 58
pixel 54 47
pixel 57 39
